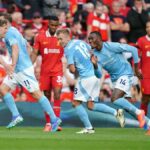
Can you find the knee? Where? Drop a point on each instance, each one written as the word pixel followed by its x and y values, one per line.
pixel 90 105
pixel 3 91
pixel 37 95
pixel 57 94
pixel 75 103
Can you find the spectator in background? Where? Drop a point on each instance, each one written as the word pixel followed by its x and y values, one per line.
pixel 98 21
pixel 37 23
pixel 62 18
pixel 50 7
pixel 30 7
pixel 51 68
pixel 118 23
pixel 76 31
pixel 29 34
pixel 144 48
pixel 124 8
pixel 17 21
pixel 137 18
pixel 81 16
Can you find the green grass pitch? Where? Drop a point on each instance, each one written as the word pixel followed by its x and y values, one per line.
pixel 27 138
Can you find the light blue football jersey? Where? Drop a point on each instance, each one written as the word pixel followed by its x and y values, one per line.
pixel 13 36
pixel 111 59
pixel 77 53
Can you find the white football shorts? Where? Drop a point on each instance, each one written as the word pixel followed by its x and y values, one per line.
pixel 124 83
pixel 87 89
pixel 25 78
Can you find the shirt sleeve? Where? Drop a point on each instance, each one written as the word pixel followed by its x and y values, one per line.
pixel 69 56
pixel 120 48
pixel 98 72
pixel 11 39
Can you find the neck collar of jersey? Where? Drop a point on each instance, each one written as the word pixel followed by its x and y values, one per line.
pixel 48 34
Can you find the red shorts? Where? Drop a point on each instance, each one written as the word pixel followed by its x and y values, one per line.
pixel 145 84
pixel 48 83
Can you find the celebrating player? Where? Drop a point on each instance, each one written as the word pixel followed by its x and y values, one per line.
pixel 88 86
pixel 109 56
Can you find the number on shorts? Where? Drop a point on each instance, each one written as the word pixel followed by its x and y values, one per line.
pixel 123 82
pixel 75 90
pixel 27 83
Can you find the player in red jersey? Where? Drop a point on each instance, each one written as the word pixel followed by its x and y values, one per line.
pixel 144 46
pixel 51 68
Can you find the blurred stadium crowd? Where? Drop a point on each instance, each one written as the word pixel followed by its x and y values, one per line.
pixel 117 20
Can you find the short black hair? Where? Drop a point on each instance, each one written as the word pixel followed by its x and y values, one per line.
pixel 97 33
pixel 55 18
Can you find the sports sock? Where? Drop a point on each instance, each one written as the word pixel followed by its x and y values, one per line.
pixel 44 102
pixel 105 109
pixel 57 108
pixel 81 112
pixel 9 101
pixel 125 104
pixel 144 107
pixel 47 118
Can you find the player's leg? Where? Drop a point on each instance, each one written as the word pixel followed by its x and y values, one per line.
pixel 57 86
pixel 119 114
pixel 93 92
pixel 145 102
pixel 145 84
pixel 82 114
pixel 28 80
pixel 122 87
pixel 5 88
pixel 45 86
pixel 47 127
pixel 79 97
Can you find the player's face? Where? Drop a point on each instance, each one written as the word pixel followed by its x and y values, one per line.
pixel 95 41
pixel 148 28
pixel 53 25
pixel 63 39
pixel 3 30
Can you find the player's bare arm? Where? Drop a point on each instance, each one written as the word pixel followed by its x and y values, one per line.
pixel 137 71
pixel 94 61
pixel 34 55
pixel 72 68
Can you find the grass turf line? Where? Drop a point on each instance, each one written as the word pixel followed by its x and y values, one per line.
pixel 27 138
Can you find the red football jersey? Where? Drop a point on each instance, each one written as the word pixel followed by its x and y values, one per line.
pixel 144 47
pixel 51 53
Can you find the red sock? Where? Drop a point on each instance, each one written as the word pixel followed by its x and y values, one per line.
pixel 57 108
pixel 47 118
pixel 144 107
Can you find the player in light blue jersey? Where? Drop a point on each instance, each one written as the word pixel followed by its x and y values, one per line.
pixel 20 71
pixel 87 87
pixel 109 56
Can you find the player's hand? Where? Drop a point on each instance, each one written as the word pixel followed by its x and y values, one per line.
pixel 94 60
pixel 138 74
